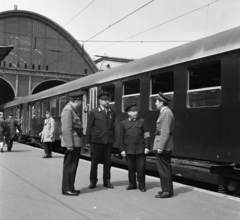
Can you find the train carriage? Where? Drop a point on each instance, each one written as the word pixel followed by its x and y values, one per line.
pixel 202 77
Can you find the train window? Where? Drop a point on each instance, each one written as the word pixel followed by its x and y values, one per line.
pixel 45 107
pixel 38 110
pixel 111 90
pixel 204 85
pixel 62 103
pixel 163 82
pixel 53 107
pixel 33 111
pixel 93 98
pixel 131 93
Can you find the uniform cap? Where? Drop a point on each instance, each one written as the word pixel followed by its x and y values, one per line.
pixel 103 95
pixel 131 107
pixel 163 97
pixel 77 95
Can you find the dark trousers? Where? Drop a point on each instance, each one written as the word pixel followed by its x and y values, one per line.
pixel 47 148
pixel 70 164
pixel 10 143
pixel 136 163
pixel 100 152
pixel 165 171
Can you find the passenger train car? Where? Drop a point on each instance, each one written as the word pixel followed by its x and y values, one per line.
pixel 203 79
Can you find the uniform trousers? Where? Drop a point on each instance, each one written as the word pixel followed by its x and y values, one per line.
pixel 165 171
pixel 10 143
pixel 70 164
pixel 136 163
pixel 47 148
pixel 100 152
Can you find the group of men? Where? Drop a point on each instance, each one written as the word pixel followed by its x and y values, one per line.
pixel 8 131
pixel 134 143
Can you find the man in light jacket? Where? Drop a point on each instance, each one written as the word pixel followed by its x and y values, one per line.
pixel 163 145
pixel 72 139
pixel 48 135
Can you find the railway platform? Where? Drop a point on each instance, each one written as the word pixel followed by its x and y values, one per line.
pixel 30 189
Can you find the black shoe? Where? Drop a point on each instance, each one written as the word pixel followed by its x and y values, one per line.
pixel 108 185
pixel 1 150
pixel 77 191
pixel 49 156
pixel 131 187
pixel 45 156
pixel 164 195
pixel 160 193
pixel 70 193
pixel 142 189
pixel 92 186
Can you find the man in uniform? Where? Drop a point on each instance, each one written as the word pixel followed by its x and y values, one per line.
pixel 134 144
pixel 163 145
pixel 11 125
pixel 2 131
pixel 101 134
pixel 72 139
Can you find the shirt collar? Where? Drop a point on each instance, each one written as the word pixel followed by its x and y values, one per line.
pixel 163 108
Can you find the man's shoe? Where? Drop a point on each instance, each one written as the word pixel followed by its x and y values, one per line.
pixel 160 193
pixel 164 195
pixel 70 193
pixel 108 185
pixel 131 187
pixel 1 150
pixel 92 186
pixel 142 189
pixel 49 156
pixel 45 156
pixel 77 191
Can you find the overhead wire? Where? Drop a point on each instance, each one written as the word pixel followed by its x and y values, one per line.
pixel 156 26
pixel 78 13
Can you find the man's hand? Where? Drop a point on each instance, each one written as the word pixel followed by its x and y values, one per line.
pixel 146 151
pixel 70 148
pixel 123 153
pixel 159 151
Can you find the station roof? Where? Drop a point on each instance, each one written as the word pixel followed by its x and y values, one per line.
pixel 4 51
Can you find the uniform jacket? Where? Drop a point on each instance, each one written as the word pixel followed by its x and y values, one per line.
pixel 48 130
pixel 11 125
pixel 164 129
pixel 100 127
pixel 134 136
pixel 2 129
pixel 72 127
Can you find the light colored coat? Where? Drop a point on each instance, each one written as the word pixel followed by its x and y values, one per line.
pixel 70 120
pixel 165 126
pixel 48 132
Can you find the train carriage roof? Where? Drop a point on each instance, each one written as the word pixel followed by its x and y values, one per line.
pixel 216 44
pixel 15 102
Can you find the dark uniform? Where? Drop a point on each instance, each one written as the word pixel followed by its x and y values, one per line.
pixel 101 134
pixel 134 138
pixel 72 137
pixel 2 131
pixel 11 125
pixel 164 143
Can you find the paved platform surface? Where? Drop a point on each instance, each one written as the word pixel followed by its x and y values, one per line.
pixel 30 188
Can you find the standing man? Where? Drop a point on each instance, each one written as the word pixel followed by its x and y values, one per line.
pixel 101 134
pixel 11 125
pixel 72 139
pixel 48 135
pixel 2 130
pixel 163 145
pixel 135 144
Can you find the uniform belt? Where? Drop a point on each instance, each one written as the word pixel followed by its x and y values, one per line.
pixel 159 133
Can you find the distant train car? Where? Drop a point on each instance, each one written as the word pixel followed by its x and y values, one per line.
pixel 203 79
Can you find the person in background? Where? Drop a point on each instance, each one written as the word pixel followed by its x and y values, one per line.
pixel 11 125
pixel 48 135
pixel 135 144
pixel 72 139
pixel 2 130
pixel 163 145
pixel 100 135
